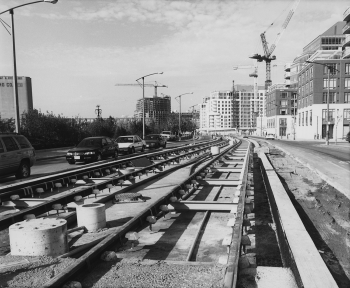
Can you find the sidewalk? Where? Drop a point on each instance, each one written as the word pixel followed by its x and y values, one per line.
pixel 332 170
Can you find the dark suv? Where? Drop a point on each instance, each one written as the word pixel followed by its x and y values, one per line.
pixel 17 155
pixel 93 149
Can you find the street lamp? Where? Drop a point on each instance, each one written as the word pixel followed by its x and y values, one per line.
pixel 327 117
pixel 15 88
pixel 143 97
pixel 180 112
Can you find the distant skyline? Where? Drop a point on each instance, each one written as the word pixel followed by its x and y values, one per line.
pixel 76 51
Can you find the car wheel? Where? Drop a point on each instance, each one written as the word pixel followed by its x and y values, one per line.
pixel 143 149
pixel 133 150
pixel 24 170
pixel 99 157
pixel 116 153
pixel 71 162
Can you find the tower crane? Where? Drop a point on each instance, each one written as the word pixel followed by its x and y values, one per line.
pixel 268 57
pixel 155 85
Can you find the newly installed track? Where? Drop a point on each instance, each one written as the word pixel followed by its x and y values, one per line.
pixel 189 230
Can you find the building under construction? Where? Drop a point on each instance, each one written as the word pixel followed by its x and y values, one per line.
pixel 157 108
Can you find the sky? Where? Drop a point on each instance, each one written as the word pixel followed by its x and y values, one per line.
pixel 76 51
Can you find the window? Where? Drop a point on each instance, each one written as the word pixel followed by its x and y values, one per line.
pixel 347 68
pixel 10 144
pixel 299 118
pixel 23 143
pixel 284 103
pixel 324 113
pixel 311 72
pixel 332 68
pixel 347 97
pixel 283 121
pixel 283 112
pixel 302 118
pixel 284 95
pixel 346 114
pixel 332 83
pixel 347 83
pixel 310 118
pixel 332 97
pixel 306 118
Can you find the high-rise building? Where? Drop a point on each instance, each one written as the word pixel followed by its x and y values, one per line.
pixel 25 97
pixel 346 32
pixel 157 108
pixel 245 99
pixel 216 111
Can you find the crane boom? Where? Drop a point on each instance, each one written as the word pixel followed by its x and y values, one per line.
pixel 145 85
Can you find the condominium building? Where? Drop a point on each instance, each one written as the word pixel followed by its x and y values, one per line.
pixel 216 111
pixel 157 108
pixel 25 97
pixel 246 101
pixel 346 32
pixel 281 110
pixel 314 87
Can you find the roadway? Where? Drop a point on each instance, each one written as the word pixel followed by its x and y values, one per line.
pixel 56 162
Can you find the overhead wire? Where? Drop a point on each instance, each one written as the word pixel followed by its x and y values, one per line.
pixel 3 22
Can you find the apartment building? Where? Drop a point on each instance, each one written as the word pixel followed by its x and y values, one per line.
pixel 281 111
pixel 245 99
pixel 216 112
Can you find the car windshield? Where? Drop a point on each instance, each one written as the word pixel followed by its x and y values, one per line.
pixel 152 137
pixel 90 143
pixel 125 140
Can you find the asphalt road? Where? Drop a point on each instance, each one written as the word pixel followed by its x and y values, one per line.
pixel 50 166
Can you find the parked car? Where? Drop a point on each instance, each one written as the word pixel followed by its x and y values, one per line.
pixel 17 155
pixel 348 137
pixel 93 149
pixel 270 137
pixel 155 141
pixel 168 135
pixel 130 144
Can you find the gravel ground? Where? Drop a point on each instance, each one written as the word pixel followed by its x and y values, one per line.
pixel 324 211
pixel 129 273
pixel 35 273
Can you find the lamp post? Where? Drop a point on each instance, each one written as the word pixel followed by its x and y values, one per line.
pixel 14 84
pixel 180 112
pixel 327 116
pixel 143 97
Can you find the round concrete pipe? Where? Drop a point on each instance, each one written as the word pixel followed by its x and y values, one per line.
pixel 215 150
pixel 92 216
pixel 39 237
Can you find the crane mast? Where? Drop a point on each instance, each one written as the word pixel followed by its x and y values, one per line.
pixel 268 52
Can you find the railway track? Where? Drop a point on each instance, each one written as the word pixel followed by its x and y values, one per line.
pixel 191 229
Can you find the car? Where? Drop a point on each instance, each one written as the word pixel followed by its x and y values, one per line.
pixel 130 144
pixel 270 137
pixel 155 141
pixel 92 149
pixel 168 135
pixel 17 155
pixel 347 138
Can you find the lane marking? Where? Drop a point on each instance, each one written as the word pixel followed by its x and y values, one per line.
pixel 347 170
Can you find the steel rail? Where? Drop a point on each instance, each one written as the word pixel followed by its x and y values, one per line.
pixel 84 262
pixel 85 191
pixel 23 189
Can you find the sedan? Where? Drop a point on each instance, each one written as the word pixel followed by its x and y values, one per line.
pixel 155 141
pixel 93 149
pixel 270 137
pixel 130 144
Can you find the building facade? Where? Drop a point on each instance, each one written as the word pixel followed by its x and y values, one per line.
pixel 313 95
pixel 216 111
pixel 281 111
pixel 157 108
pixel 247 117
pixel 25 96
